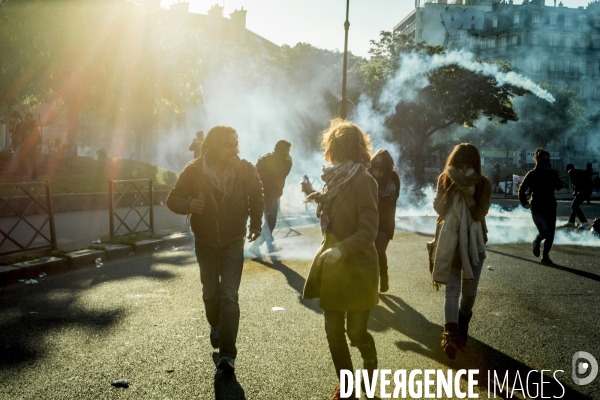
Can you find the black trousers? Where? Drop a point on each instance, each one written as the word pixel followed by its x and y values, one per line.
pixel 335 326
pixel 576 210
pixel 545 221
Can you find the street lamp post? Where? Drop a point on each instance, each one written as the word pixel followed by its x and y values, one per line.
pixel 343 109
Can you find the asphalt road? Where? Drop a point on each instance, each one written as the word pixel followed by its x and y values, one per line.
pixel 138 318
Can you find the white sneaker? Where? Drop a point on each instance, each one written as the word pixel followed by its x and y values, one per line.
pixel 584 225
pixel 255 250
pixel 570 225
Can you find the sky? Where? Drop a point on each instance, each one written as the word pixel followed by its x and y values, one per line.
pixel 321 22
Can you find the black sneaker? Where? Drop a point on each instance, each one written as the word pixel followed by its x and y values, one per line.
pixel 536 248
pixel 227 364
pixel 214 336
pixel 546 260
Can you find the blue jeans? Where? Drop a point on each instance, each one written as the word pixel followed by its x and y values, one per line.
pixel 266 234
pixel 335 327
pixel 221 274
pixel 546 225
pixel 454 287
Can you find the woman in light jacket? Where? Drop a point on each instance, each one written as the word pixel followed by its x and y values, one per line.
pixel 462 201
pixel 345 272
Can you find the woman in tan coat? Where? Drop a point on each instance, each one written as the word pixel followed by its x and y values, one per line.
pixel 462 201
pixel 345 272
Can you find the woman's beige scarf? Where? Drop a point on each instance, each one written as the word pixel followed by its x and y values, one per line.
pixel 336 177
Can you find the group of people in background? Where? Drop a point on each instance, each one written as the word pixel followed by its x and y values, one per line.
pixel 25 136
pixel 356 208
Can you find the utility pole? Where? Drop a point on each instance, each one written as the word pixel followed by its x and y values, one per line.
pixel 344 110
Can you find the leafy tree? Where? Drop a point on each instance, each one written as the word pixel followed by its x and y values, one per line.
pixel 120 59
pixel 454 95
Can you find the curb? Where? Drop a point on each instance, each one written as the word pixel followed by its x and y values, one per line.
pixel 86 258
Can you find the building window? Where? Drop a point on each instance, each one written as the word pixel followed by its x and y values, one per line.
pixel 535 20
pixel 513 39
pixel 568 22
pixel 494 23
pixel 582 23
pixel 492 42
pixel 568 42
pixel 597 22
pixel 568 70
pixel 502 40
pixel 552 67
pixel 553 19
pixel 537 66
pixel 582 68
pixel 515 20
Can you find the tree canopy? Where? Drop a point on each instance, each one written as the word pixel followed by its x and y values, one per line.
pixel 453 95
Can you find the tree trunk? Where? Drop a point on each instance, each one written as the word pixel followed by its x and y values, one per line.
pixel 419 142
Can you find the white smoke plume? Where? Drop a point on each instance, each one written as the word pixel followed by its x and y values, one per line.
pixel 504 227
pixel 414 67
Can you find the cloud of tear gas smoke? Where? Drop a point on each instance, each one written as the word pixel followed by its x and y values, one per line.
pixel 264 107
pixel 414 67
pixel 513 226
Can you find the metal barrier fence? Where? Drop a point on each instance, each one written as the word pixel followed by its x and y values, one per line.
pixel 30 213
pixel 132 201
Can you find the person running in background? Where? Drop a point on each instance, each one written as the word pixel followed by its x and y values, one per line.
pixel 589 174
pixel 221 192
pixel 30 139
pixel 541 181
pixel 388 181
pixel 196 145
pixel 496 178
pixel 462 201
pixel 13 129
pixel 582 191
pixel 344 274
pixel 272 168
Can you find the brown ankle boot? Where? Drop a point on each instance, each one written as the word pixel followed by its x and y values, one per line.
pixel 451 339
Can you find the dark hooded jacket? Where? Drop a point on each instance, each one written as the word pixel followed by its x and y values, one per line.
pixel 542 184
pixel 223 220
pixel 273 168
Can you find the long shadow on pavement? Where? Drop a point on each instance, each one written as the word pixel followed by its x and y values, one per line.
pixel 425 340
pixel 226 386
pixel 29 313
pixel 294 279
pixel 574 271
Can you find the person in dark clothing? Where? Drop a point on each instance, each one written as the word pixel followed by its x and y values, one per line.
pixel 220 191
pixel 272 168
pixel 589 176
pixel 496 177
pixel 196 145
pixel 582 191
pixel 13 129
pixel 541 181
pixel 30 139
pixel 388 182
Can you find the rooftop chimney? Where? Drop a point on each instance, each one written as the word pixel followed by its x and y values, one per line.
pixel 216 11
pixel 182 7
pixel 238 19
